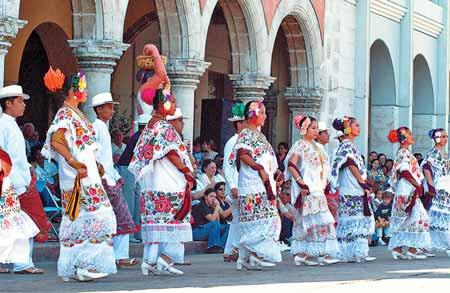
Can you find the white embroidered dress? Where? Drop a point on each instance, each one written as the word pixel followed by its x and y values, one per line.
pixel 313 231
pixel 85 242
pixel 259 222
pixel 162 184
pixel 408 229
pixel 16 227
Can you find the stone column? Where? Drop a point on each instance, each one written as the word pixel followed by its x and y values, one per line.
pixel 250 86
pixel 9 27
pixel 97 60
pixel 304 102
pixel 271 103
pixel 184 77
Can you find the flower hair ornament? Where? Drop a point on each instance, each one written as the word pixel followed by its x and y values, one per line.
pixel 302 123
pixel 254 109
pixel 54 81
pixel 398 135
pixel 166 97
pixel 436 134
pixel 343 124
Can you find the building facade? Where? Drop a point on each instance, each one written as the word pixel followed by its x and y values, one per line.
pixel 383 61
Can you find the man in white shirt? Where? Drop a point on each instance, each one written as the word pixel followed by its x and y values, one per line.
pixel 104 108
pixel 12 102
pixel 231 180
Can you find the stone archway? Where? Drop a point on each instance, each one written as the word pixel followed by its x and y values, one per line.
pixel 423 118
pixel 47 45
pixel 383 109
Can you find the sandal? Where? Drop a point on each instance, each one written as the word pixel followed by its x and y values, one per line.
pixel 4 271
pixel 31 271
pixel 124 263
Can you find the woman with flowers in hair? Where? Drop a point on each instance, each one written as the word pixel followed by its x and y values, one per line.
pixel 349 175
pixel 259 222
pixel 162 167
pixel 88 223
pixel 314 234
pixel 435 167
pixel 409 221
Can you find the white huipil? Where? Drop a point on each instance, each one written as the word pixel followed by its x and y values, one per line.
pixel 259 222
pixel 231 182
pixel 86 242
pixel 313 232
pixel 16 227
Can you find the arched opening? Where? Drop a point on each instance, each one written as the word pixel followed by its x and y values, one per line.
pixel 423 118
pixel 383 111
pixel 47 45
pixel 214 94
pixel 141 27
pixel 289 66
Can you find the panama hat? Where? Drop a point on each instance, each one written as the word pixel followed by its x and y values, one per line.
pixel 102 99
pixel 13 91
pixel 177 115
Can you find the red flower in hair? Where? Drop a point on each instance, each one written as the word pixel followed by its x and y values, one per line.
pixel 393 136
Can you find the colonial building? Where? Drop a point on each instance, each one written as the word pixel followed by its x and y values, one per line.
pixel 383 61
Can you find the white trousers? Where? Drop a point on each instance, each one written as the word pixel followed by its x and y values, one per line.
pixel 174 250
pixel 23 266
pixel 121 245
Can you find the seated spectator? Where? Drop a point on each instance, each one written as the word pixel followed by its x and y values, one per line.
pixel 372 156
pixel 378 199
pixel 206 223
pixel 382 215
pixel 197 150
pixel 388 167
pixel 419 157
pixel 118 147
pixel 286 213
pixel 208 147
pixel 281 155
pixel 376 175
pixel 209 173
pixel 225 204
pixel 219 163
pixel 45 170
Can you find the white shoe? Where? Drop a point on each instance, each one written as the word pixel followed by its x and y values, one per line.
pixel 284 247
pixel 84 275
pixel 163 266
pixel 448 252
pixel 398 255
pixel 65 279
pixel 254 261
pixel 242 264
pixel 327 260
pixel 381 242
pixel 304 261
pixel 416 255
pixel 369 258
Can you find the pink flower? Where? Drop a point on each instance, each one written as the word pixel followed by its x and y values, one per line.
pixel 92 191
pixel 170 135
pixel 163 204
pixel 85 138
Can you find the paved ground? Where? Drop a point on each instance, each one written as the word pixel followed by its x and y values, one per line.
pixel 210 272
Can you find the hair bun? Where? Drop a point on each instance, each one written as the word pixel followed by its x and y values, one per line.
pixel 393 136
pixel 431 133
pixel 338 124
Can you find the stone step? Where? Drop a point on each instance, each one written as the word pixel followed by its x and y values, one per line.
pixel 49 251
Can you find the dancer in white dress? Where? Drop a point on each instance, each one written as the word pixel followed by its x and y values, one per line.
pixel 409 222
pixel 314 234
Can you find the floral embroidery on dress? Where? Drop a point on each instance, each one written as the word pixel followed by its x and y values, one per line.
pixel 161 208
pixel 255 207
pixel 253 141
pixel 405 161
pixel 84 131
pixel 9 203
pixel 153 144
pixel 93 197
pixel 438 161
pixel 345 151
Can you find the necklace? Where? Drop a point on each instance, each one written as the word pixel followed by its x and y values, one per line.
pixel 79 113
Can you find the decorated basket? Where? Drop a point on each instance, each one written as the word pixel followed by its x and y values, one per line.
pixel 146 62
